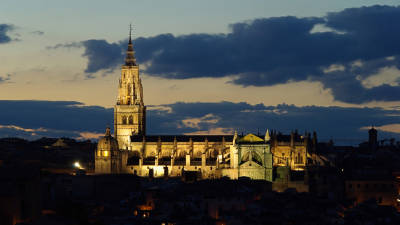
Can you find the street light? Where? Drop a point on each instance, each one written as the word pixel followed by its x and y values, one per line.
pixel 78 165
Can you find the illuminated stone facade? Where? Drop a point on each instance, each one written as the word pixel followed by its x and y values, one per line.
pixel 291 150
pixel 249 156
pixel 208 156
pixel 129 112
pixel 172 155
pixel 108 157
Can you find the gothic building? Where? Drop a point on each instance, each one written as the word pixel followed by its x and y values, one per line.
pixel 208 156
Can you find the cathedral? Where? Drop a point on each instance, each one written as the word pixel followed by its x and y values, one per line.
pixel 132 151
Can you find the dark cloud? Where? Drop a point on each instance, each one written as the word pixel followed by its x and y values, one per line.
pixel 58 118
pixel 373 29
pixel 346 87
pixel 4 29
pixel 276 50
pixel 339 123
pixel 101 55
pixel 69 118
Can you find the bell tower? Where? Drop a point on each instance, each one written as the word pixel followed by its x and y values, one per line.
pixel 129 112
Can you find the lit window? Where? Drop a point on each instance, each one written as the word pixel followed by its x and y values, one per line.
pixel 105 153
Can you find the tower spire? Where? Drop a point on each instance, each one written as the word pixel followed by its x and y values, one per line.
pixel 130 33
pixel 130 54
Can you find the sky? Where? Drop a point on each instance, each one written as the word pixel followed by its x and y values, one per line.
pixel 207 67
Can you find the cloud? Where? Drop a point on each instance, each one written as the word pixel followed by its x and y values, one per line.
pixel 339 123
pixel 393 128
pixel 40 129
pixel 347 88
pixel 196 122
pixel 57 118
pixel 38 32
pixel 34 119
pixel 352 45
pixel 5 79
pixel 101 55
pixel 29 133
pixel 90 135
pixel 213 131
pixel 65 45
pixel 386 75
pixel 4 29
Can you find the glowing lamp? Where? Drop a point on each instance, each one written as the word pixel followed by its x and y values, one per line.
pixel 78 165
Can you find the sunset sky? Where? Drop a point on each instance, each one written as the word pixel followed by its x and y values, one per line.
pixel 207 67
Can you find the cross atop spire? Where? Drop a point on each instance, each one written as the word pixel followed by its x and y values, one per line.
pixel 130 54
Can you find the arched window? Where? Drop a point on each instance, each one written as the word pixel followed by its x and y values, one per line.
pixel 213 153
pixel 299 158
pixel 246 157
pixel 123 119
pixel 256 158
pixel 282 159
pixel 130 119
